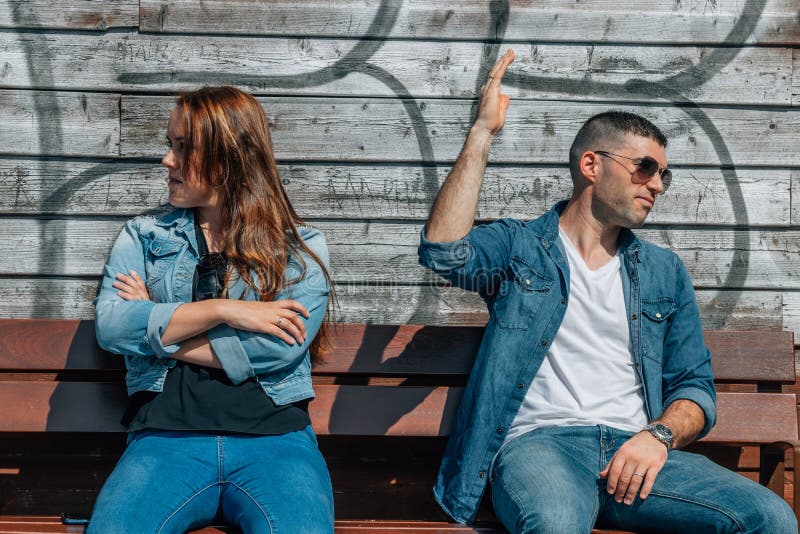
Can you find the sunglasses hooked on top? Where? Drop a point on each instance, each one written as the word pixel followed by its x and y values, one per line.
pixel 646 168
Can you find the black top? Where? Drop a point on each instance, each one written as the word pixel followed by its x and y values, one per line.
pixel 203 399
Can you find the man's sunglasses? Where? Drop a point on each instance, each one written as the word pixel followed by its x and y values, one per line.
pixel 646 168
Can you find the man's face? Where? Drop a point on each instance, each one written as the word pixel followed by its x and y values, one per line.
pixel 621 196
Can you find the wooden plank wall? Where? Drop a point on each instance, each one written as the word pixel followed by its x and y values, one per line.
pixel 369 103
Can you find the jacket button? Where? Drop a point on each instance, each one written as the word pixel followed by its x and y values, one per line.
pixel 633 317
pixel 520 386
pixel 658 315
pixel 527 281
pixel 482 474
pixel 563 301
pixel 500 430
pixel 544 342
pixel 545 243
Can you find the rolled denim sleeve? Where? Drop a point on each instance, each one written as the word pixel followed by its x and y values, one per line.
pixel 687 363
pixel 131 327
pixel 474 262
pixel 244 354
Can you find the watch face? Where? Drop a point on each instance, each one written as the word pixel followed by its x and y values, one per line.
pixel 662 433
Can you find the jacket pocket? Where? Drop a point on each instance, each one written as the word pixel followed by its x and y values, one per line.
pixel 521 295
pixel 162 254
pixel 655 315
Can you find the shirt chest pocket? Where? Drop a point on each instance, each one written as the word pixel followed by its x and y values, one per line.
pixel 162 255
pixel 521 295
pixel 656 314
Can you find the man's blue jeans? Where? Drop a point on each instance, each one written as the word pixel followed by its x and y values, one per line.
pixel 547 481
pixel 171 482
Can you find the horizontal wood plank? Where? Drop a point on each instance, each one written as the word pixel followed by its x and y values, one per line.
pixel 376 252
pixel 375 350
pixel 549 20
pixel 746 418
pixel 54 123
pixel 424 69
pixel 69 14
pixel 71 298
pixel 795 209
pixel 118 187
pixel 356 129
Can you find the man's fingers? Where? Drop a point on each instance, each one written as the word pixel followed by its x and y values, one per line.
pixel 499 69
pixel 136 276
pixel 647 485
pixel 626 478
pixel 633 486
pixel 613 471
pixel 505 101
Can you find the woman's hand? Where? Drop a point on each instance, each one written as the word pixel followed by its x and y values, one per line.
pixel 131 287
pixel 279 318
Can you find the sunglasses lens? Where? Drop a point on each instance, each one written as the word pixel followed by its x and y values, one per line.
pixel 648 166
pixel 666 178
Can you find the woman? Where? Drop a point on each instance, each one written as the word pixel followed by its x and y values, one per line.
pixel 217 307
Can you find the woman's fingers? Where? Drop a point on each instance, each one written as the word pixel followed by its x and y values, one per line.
pixel 131 287
pixel 293 325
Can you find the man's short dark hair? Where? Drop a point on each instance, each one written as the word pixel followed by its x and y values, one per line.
pixel 606 131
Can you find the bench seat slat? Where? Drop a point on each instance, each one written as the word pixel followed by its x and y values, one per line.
pixel 407 350
pixel 745 418
pixel 49 524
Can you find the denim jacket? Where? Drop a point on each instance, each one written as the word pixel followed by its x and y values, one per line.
pixel 165 251
pixel 521 271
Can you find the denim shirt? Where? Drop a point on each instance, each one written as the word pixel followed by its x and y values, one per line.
pixel 520 270
pixel 165 251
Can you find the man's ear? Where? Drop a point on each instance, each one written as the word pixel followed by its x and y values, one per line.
pixel 589 166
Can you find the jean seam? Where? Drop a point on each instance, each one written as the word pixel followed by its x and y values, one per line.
pixel 698 502
pixel 264 512
pixel 179 508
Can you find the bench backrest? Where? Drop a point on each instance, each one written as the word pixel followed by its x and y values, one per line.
pixel 379 380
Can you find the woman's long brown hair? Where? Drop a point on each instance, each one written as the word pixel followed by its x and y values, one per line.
pixel 228 145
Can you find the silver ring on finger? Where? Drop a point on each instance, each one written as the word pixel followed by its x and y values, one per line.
pixel 639 475
pixel 280 320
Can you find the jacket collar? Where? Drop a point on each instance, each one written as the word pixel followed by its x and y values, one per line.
pixel 546 229
pixel 180 218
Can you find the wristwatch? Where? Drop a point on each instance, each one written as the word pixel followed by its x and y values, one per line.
pixel 662 433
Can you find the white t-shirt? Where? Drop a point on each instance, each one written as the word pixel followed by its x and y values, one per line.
pixel 587 377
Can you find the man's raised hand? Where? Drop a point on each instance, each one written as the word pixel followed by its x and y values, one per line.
pixel 493 104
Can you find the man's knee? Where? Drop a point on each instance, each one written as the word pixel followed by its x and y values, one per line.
pixel 556 520
pixel 768 515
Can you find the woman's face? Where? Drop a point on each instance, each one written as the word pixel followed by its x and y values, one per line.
pixel 185 189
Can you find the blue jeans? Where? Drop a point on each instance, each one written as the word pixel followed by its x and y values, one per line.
pixel 171 482
pixel 547 481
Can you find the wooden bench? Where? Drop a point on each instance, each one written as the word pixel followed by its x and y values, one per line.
pixel 385 401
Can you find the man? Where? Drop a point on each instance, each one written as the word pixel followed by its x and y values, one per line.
pixel 592 370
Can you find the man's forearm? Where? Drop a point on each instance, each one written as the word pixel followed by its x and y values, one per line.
pixel 455 206
pixel 686 420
